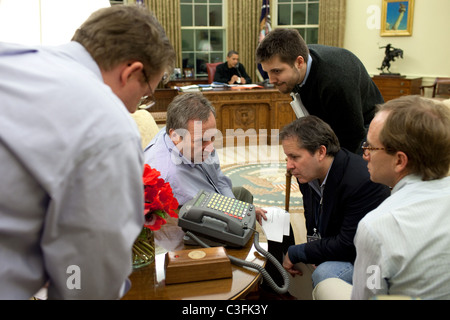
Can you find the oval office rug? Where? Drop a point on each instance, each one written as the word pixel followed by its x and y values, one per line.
pixel 267 183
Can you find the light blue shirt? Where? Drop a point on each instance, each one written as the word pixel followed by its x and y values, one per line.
pixel 71 176
pixel 308 70
pixel 403 246
pixel 185 177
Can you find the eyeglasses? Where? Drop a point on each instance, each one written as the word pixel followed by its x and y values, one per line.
pixel 147 102
pixel 367 148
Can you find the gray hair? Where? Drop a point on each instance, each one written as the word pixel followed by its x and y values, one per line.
pixel 185 107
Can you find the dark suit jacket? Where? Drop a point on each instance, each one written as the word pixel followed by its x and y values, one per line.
pixel 349 195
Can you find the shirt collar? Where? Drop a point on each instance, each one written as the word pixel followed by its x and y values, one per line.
pixel 315 183
pixel 308 69
pixel 411 178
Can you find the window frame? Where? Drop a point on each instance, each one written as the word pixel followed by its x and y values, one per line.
pixel 298 27
pixel 213 55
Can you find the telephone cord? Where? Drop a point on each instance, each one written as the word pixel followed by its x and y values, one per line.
pixel 244 263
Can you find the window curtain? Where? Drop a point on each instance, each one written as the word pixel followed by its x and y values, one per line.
pixel 168 14
pixel 243 31
pixel 243 26
pixel 332 22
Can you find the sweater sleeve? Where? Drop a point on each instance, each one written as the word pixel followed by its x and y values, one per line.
pixel 221 74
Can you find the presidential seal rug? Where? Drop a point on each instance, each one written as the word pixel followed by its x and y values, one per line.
pixel 267 183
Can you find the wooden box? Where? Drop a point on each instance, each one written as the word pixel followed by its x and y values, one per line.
pixel 197 265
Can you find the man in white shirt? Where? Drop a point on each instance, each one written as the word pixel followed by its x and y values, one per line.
pixel 403 246
pixel 71 197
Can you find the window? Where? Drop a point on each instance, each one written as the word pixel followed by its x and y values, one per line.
pixel 115 2
pixel 202 34
pixel 302 15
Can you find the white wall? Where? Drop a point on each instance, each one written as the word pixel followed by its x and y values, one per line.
pixel 426 52
pixel 48 22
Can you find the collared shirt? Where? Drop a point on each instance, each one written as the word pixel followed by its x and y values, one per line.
pixel 186 178
pixel 319 190
pixel 297 104
pixel 308 69
pixel 403 246
pixel 71 176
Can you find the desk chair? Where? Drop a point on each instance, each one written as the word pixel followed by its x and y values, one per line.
pixel 146 125
pixel 211 69
pixel 441 88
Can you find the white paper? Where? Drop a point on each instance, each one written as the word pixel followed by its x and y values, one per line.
pixel 277 224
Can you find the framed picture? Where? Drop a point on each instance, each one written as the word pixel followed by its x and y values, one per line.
pixel 397 18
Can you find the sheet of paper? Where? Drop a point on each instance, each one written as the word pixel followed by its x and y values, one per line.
pixel 277 224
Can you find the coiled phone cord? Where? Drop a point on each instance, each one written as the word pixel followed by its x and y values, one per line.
pixel 244 263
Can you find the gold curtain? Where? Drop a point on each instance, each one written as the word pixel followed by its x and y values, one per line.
pixel 243 26
pixel 168 14
pixel 332 22
pixel 243 31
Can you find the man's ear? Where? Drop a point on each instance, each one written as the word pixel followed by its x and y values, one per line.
pixel 299 62
pixel 175 137
pixel 322 152
pixel 401 161
pixel 131 70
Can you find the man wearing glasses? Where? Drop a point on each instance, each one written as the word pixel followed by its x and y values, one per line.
pixel 403 245
pixel 337 193
pixel 71 198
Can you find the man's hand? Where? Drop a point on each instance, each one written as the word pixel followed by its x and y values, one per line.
pixel 289 266
pixel 234 78
pixel 260 214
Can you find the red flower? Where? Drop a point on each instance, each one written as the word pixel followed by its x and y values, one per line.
pixel 159 199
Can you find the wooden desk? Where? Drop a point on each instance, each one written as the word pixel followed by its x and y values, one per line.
pixel 186 82
pixel 250 110
pixel 148 283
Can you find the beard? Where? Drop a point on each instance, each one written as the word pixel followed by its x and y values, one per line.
pixel 289 85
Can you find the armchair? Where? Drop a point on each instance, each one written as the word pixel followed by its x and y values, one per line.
pixel 146 125
pixel 441 88
pixel 211 69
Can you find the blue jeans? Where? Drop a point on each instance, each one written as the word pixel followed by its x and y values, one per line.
pixel 333 269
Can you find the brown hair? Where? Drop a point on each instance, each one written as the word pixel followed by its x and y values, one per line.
pixel 287 44
pixel 312 132
pixel 126 33
pixel 420 128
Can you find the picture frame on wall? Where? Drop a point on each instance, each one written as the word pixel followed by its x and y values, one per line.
pixel 397 18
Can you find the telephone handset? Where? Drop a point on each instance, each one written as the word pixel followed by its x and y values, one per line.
pixel 219 217
pixel 232 222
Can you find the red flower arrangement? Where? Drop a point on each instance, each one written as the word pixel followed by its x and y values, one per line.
pixel 158 198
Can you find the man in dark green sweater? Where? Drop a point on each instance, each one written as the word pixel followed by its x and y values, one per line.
pixel 328 82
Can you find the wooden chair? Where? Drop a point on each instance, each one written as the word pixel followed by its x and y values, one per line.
pixel 211 69
pixel 288 190
pixel 441 88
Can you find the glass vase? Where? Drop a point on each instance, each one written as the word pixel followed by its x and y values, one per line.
pixel 144 249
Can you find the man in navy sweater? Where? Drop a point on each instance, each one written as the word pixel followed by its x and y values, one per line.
pixel 328 82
